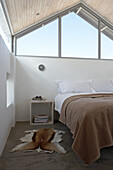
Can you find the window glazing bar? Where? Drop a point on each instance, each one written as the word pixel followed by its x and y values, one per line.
pixel 59 37
pixel 78 10
pixel 104 28
pixel 99 39
pixel 91 11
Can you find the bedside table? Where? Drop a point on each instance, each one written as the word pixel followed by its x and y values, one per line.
pixel 41 112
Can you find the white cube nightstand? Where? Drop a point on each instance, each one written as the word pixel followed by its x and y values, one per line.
pixel 41 112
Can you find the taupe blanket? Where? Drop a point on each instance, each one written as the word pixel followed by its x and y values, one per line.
pixel 90 119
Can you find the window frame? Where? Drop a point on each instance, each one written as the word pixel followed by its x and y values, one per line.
pixel 58 16
pixel 7 20
pixel 108 32
pixel 93 21
pixel 39 26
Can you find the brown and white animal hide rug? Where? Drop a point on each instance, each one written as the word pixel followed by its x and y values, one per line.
pixel 41 139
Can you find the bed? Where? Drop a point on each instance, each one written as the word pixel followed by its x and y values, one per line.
pixel 89 116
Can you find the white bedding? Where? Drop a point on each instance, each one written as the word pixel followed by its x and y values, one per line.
pixel 59 99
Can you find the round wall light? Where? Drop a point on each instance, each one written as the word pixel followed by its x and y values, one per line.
pixel 41 67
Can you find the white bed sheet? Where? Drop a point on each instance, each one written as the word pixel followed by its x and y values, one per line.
pixel 60 98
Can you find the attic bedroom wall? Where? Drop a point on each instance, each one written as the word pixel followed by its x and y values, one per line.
pixel 31 82
pixel 7 111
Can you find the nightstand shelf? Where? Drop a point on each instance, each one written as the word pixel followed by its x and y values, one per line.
pixel 43 110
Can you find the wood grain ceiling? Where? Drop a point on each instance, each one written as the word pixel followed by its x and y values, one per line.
pixel 22 13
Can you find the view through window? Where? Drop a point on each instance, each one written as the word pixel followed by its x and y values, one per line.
pixel 41 42
pixel 106 42
pixel 79 38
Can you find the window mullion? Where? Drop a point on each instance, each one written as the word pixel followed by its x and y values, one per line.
pixel 59 37
pixel 99 39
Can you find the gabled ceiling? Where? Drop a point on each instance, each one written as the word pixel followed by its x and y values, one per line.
pixel 22 13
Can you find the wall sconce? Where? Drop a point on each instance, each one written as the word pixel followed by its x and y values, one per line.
pixel 41 67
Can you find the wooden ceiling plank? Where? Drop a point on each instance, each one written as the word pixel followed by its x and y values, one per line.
pixel 22 13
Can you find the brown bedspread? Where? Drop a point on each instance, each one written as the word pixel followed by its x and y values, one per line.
pixel 90 119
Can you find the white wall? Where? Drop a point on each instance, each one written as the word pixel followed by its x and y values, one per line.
pixel 31 82
pixel 6 112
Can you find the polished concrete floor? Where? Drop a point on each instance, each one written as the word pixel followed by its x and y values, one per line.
pixel 45 161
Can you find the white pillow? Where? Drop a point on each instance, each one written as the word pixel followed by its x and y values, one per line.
pixel 74 86
pixel 103 85
pixel 59 84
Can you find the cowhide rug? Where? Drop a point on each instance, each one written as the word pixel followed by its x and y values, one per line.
pixel 46 140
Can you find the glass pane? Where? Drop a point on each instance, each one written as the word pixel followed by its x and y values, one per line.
pixel 4 29
pixel 41 42
pixel 79 38
pixel 106 42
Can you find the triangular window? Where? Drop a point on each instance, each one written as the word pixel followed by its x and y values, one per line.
pixel 76 33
